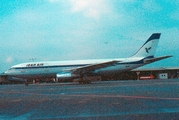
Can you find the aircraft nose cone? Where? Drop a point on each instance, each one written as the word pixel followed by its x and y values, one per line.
pixel 5 72
pixel 2 74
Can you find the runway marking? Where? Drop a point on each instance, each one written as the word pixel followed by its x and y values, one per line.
pixel 82 94
pixel 123 96
pixel 18 100
pixel 97 96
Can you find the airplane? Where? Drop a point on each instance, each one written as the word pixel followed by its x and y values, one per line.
pixel 82 68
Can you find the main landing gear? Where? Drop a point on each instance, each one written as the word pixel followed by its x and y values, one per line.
pixel 84 81
pixel 26 83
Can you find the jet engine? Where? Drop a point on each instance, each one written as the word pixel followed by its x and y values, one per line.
pixel 66 75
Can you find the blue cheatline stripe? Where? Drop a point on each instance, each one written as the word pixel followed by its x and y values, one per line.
pixel 58 66
pixel 55 66
pixel 154 36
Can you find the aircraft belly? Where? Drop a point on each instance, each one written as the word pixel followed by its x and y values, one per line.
pixel 34 73
pixel 117 68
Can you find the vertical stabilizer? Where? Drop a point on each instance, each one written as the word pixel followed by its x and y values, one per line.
pixel 149 47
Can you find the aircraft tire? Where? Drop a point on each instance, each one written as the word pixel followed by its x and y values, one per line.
pixel 88 82
pixel 26 84
pixel 85 82
pixel 80 82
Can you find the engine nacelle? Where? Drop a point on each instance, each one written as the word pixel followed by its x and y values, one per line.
pixel 66 75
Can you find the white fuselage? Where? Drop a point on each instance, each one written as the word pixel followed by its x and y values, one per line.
pixel 52 68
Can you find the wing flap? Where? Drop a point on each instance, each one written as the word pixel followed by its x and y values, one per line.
pixel 89 68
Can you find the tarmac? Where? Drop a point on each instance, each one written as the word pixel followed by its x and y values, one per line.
pixel 103 100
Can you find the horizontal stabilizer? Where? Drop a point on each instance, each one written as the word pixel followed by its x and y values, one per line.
pixel 156 59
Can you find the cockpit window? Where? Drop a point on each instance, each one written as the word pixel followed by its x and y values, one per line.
pixel 10 68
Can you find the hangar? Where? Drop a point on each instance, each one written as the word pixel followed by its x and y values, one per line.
pixel 158 73
pixel 146 73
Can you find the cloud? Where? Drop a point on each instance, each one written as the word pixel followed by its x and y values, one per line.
pixel 9 60
pixel 90 8
pixel 28 16
pixel 53 1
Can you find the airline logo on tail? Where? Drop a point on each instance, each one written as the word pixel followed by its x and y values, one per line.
pixel 147 49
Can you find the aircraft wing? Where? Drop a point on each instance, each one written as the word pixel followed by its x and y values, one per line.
pixel 89 68
pixel 150 60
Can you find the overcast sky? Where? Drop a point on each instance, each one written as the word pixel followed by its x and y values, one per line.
pixel 45 30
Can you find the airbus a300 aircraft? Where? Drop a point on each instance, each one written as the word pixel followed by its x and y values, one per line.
pixel 82 68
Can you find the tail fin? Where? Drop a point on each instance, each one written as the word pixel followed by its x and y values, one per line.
pixel 149 47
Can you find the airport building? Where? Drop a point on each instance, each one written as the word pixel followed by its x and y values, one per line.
pixel 158 73
pixel 150 73
pixel 147 74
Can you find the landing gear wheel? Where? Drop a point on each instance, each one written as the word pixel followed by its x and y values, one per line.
pixel 80 82
pixel 84 81
pixel 26 84
pixel 88 82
